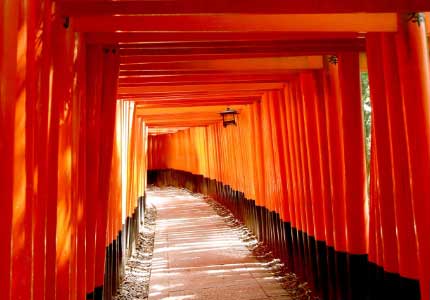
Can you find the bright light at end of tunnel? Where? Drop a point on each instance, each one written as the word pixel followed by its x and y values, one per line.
pixel 167 130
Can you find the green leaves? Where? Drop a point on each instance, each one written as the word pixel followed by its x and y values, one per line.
pixel 367 116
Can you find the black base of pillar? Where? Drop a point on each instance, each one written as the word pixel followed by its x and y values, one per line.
pixel 97 294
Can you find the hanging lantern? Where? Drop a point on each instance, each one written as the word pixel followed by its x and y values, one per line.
pixel 228 117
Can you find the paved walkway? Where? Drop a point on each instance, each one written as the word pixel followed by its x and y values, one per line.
pixel 198 256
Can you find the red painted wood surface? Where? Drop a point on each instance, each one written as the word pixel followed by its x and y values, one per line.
pixel 336 156
pixel 413 62
pixel 52 128
pixel 353 152
pixel 224 6
pixel 79 98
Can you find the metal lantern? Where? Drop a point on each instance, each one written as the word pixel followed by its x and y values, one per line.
pixel 228 117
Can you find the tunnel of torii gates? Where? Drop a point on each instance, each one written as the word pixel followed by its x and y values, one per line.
pixel 96 93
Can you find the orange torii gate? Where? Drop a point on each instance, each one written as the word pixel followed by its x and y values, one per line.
pixel 88 89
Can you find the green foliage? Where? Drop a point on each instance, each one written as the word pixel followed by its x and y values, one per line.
pixel 367 113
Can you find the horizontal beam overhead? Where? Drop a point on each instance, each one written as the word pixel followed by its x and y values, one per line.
pixel 277 69
pixel 195 103
pixel 246 52
pixel 201 78
pixel 193 82
pixel 142 72
pixel 199 88
pixel 283 48
pixel 186 112
pixel 179 37
pixel 191 95
pixel 180 122
pixel 202 96
pixel 239 65
pixel 103 7
pixel 236 44
pixel 355 22
pixel 204 117
pixel 145 59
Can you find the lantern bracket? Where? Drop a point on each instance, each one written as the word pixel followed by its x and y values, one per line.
pixel 228 117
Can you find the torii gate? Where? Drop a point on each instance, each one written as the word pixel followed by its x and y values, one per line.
pixel 95 93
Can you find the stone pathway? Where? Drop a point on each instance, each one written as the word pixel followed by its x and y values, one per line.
pixel 198 256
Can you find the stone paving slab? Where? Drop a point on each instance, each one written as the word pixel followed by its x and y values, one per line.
pixel 198 256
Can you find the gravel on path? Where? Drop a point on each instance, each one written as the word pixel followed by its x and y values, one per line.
pixel 135 285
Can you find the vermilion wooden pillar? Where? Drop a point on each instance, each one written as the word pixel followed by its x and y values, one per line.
pixel 375 252
pixel 317 256
pixel 303 229
pixel 290 227
pixel 94 79
pixel 23 166
pixel 353 148
pixel 107 113
pixel 277 190
pixel 288 185
pixel 380 121
pixel 268 153
pixel 354 172
pixel 294 200
pixel 279 149
pixel 335 150
pixel 32 73
pixel 254 171
pixel 259 154
pixel 304 158
pixel 321 128
pixel 387 102
pixel 309 101
pixel 266 146
pixel 332 99
pixel 63 38
pixel 287 215
pixel 41 154
pixel 8 35
pixel 324 249
pixel 53 162
pixel 300 207
pixel 79 175
pixel 406 234
pixel 258 167
pixel 413 59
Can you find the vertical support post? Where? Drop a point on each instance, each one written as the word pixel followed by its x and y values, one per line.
pixel 353 151
pixel 380 123
pixel 413 58
pixel 354 170
pixel 8 35
pixel 335 151
pixel 42 157
pixel 332 100
pixel 406 233
pixel 94 79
